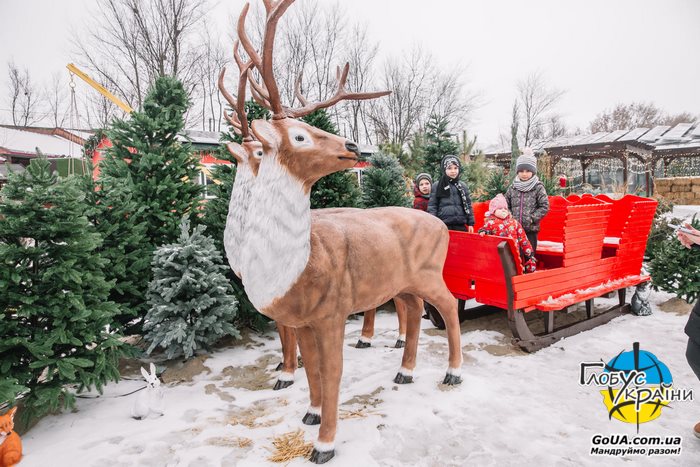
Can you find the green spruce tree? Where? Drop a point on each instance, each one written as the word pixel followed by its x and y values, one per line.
pixel 496 183
pixel 53 294
pixel 676 269
pixel 383 183
pixel 190 297
pixel 438 143
pixel 339 189
pixel 155 174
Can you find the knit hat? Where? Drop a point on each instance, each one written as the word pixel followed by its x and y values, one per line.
pixel 423 176
pixel 498 202
pixel 450 159
pixel 527 161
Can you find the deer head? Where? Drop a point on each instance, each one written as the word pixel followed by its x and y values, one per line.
pixel 306 152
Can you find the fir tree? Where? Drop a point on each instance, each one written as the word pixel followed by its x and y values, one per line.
pixel 339 189
pixel 439 143
pixel 147 183
pixel 190 298
pixel 161 170
pixel 514 149
pixel 496 183
pixel 383 183
pixel 676 269
pixel 53 294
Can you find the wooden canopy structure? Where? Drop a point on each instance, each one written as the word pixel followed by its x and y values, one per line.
pixel 647 145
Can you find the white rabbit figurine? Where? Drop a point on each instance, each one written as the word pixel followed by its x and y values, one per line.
pixel 149 400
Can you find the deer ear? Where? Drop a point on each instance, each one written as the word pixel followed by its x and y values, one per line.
pixel 12 413
pixel 266 133
pixel 144 373
pixel 153 370
pixel 237 152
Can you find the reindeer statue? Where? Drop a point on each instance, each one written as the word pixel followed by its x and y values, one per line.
pixel 311 272
pixel 248 156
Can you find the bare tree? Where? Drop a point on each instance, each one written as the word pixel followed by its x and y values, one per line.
pixel 419 90
pixel 536 100
pixel 636 115
pixel 213 59
pixel 360 55
pixel 24 98
pixel 555 127
pixel 140 40
pixel 57 98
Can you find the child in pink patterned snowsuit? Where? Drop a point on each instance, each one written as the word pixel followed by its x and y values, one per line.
pixel 499 222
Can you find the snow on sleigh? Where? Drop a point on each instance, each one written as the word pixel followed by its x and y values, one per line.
pixel 588 247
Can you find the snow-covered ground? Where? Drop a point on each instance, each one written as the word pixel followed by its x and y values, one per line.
pixel 512 408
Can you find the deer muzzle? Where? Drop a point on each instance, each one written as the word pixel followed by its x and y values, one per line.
pixel 353 147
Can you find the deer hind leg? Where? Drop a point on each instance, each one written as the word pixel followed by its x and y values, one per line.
pixel 401 313
pixel 310 354
pixel 412 310
pixel 288 338
pixel 367 329
pixel 441 298
pixel 329 338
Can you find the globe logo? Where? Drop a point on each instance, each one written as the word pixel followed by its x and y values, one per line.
pixel 642 391
pixel 635 385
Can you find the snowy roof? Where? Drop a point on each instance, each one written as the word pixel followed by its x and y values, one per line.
pixel 21 142
pixel 18 168
pixel 202 137
pixel 660 138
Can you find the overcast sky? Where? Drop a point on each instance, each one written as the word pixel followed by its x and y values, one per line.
pixel 601 52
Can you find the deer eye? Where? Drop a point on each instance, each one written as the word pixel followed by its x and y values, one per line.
pixel 259 153
pixel 299 138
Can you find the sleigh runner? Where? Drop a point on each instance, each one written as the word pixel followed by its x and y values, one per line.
pixel 589 247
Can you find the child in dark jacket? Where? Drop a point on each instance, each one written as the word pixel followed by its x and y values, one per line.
pixel 449 198
pixel 527 199
pixel 499 222
pixel 421 191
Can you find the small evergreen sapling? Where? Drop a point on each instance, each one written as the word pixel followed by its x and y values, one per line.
pixel 190 298
pixel 676 269
pixel 383 183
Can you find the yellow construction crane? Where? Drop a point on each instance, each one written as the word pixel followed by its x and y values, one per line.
pixel 119 103
pixel 99 88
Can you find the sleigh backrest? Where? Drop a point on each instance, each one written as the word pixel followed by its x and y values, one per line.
pixel 473 268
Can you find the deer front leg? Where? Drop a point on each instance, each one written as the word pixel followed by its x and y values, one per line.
pixel 401 313
pixel 442 299
pixel 329 338
pixel 412 307
pixel 288 338
pixel 367 329
pixel 310 354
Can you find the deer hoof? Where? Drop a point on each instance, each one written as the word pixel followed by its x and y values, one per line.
pixel 363 345
pixel 400 344
pixel 311 419
pixel 321 457
pixel 280 366
pixel 280 384
pixel 403 379
pixel 452 380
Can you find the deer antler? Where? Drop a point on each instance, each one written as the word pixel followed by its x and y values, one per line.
pixel 239 121
pixel 267 92
pixel 340 94
pixel 274 11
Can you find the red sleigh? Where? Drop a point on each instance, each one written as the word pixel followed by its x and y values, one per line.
pixel 588 247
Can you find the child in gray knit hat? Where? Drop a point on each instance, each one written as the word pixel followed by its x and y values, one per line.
pixel 527 199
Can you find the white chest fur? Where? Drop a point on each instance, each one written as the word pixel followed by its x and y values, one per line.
pixel 237 215
pixel 277 234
